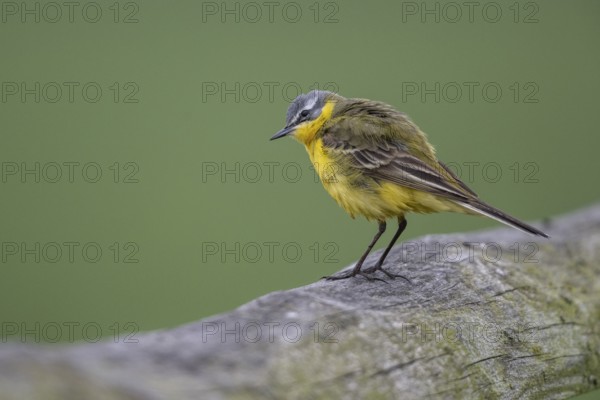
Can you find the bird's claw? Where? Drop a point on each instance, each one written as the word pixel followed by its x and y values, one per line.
pixel 389 274
pixel 364 274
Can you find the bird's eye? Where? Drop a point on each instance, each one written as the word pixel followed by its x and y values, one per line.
pixel 304 113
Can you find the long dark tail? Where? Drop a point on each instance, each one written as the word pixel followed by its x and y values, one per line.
pixel 485 209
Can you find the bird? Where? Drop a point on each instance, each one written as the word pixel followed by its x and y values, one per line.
pixel 377 163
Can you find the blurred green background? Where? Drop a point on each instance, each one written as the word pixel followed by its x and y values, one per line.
pixel 195 211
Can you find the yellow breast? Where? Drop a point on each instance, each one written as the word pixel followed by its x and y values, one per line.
pixel 342 183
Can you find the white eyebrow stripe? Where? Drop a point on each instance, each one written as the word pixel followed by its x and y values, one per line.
pixel 310 103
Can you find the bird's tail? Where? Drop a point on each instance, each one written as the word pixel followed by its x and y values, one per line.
pixel 482 208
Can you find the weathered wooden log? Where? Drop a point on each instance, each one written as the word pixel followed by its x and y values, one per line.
pixel 493 314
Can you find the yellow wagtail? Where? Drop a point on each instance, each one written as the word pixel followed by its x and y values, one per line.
pixel 375 162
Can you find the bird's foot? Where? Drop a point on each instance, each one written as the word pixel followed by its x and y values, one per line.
pixel 378 267
pixel 352 274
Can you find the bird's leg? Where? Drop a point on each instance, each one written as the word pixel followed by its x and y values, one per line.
pixel 379 266
pixel 356 270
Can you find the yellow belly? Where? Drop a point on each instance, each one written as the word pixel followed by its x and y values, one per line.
pixel 374 201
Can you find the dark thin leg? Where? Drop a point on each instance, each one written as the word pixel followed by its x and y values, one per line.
pixel 356 270
pixel 379 266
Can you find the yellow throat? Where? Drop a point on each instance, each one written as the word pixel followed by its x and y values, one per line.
pixel 307 132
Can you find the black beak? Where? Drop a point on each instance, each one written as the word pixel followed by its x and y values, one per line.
pixel 285 131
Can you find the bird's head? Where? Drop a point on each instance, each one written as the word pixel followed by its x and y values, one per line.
pixel 305 113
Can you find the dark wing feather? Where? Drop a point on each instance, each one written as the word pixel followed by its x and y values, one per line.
pixel 380 154
pixel 456 179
